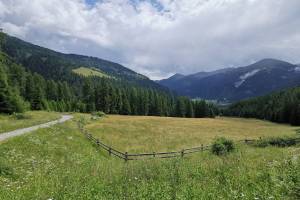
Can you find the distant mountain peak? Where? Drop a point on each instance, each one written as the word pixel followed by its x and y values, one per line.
pixel 271 62
pixel 238 83
pixel 177 75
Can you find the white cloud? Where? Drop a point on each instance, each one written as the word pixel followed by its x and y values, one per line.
pixel 179 36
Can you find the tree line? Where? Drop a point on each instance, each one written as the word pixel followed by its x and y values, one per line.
pixel 21 90
pixel 281 107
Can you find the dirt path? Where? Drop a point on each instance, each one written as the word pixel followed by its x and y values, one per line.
pixel 4 136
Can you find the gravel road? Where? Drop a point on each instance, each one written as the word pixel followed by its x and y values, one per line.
pixel 4 136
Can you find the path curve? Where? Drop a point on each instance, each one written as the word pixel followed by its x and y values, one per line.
pixel 4 136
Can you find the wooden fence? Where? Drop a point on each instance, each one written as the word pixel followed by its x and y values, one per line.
pixel 141 156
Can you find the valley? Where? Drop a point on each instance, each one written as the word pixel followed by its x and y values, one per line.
pixel 60 163
pixel 128 111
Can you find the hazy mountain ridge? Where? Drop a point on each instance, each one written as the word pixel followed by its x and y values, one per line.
pixel 234 84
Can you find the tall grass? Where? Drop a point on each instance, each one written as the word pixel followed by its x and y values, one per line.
pixel 153 134
pixel 13 122
pixel 59 163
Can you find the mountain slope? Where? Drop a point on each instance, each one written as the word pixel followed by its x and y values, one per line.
pixel 36 78
pixel 55 65
pixel 234 84
pixel 282 106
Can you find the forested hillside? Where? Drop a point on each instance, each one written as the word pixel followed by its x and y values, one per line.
pixel 282 107
pixel 40 79
pixel 58 66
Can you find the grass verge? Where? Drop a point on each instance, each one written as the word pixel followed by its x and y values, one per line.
pixel 11 122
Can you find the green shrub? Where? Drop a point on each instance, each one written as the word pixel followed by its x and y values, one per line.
pixel 222 146
pixel 98 114
pixel 82 121
pixel 20 116
pixel 285 141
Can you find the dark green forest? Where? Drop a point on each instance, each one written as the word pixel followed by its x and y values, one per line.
pixel 281 107
pixel 56 88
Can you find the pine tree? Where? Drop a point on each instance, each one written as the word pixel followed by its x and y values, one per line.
pixel 190 109
pixel 10 101
pixel 89 96
pixel 180 107
pixel 52 90
pixel 126 109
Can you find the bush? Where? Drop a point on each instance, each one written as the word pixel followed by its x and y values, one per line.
pixel 222 146
pixel 20 116
pixel 277 141
pixel 98 114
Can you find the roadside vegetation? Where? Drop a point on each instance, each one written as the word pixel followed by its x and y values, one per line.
pixel 60 163
pixel 31 118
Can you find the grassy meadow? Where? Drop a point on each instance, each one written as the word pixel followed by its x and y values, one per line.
pixel 90 72
pixel 30 118
pixel 147 134
pixel 60 163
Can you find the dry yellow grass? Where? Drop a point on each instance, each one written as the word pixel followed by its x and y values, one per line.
pixel 147 134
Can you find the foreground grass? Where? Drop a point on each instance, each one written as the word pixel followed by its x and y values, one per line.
pixel 148 134
pixel 10 122
pixel 59 163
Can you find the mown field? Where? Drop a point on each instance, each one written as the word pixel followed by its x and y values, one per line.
pixel 148 134
pixel 60 163
pixel 11 122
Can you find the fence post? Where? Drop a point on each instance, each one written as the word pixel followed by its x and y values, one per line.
pixel 154 154
pixel 98 142
pixel 126 156
pixel 202 148
pixel 109 151
pixel 182 153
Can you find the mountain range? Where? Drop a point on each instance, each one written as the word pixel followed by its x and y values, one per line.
pixel 224 85
pixel 233 84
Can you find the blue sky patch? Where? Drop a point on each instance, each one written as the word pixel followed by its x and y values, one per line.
pixel 155 3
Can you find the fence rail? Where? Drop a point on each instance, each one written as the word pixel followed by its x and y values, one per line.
pixel 143 156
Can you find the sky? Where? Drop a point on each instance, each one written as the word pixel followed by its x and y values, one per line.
pixel 159 38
